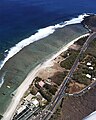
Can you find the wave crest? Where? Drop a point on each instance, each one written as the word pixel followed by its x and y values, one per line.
pixel 42 33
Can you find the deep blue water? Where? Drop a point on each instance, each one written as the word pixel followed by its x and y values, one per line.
pixel 21 18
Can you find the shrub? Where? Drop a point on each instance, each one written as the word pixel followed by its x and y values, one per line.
pixel 80 78
pixel 51 88
pixel 67 63
pixel 45 94
pixel 81 41
pixel 33 90
pixel 59 77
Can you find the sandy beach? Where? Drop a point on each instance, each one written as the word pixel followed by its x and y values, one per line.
pixel 25 85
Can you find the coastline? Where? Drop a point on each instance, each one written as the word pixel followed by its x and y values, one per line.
pixel 19 66
pixel 40 34
pixel 25 85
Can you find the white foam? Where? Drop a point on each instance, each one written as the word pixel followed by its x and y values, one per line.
pixel 44 32
pixel 92 116
pixel 6 51
pixel 76 20
pixel 20 91
pixel 2 79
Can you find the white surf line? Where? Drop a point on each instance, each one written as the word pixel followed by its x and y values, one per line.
pixel 42 33
pixel 2 79
pixel 28 80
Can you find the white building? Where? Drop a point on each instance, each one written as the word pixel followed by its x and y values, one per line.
pixel 88 63
pixel 91 68
pixel 35 102
pixel 21 109
pixel 94 78
pixel 39 96
pixel 29 97
pixel 88 76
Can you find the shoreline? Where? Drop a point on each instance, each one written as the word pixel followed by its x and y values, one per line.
pixel 28 80
pixel 40 34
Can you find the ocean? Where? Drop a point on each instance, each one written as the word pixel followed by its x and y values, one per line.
pixel 20 18
pixel 35 29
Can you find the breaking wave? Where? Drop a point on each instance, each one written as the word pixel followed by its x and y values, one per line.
pixel 2 79
pixel 44 32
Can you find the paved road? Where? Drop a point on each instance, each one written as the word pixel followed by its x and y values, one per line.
pixel 50 109
pixel 83 91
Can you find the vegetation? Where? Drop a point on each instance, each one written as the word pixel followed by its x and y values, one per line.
pixel 92 48
pixel 66 53
pixel 37 79
pixel 82 68
pixel 59 77
pixel 68 62
pixel 37 85
pixel 81 41
pixel 81 78
pixel 33 90
pixel 51 88
pixel 47 95
pixel 57 114
pixel 89 56
pixel 80 74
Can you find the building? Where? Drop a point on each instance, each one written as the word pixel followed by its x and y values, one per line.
pixel 39 96
pixel 91 68
pixel 88 76
pixel 29 97
pixel 88 63
pixel 23 107
pixel 41 83
pixel 35 102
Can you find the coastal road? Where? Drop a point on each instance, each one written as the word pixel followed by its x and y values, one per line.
pixel 50 109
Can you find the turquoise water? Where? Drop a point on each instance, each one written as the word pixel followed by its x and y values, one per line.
pixel 17 68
